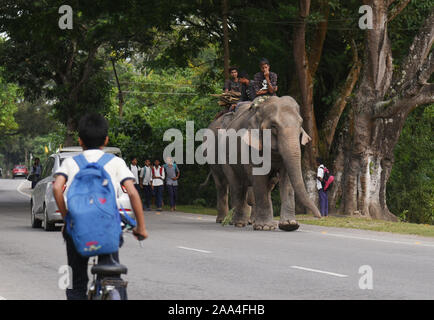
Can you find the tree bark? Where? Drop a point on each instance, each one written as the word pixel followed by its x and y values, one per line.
pixel 120 93
pixel 225 11
pixel 331 121
pixel 305 69
pixel 379 110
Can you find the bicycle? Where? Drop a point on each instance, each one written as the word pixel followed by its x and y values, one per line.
pixel 107 283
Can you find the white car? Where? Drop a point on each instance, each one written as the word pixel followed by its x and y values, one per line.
pixel 43 209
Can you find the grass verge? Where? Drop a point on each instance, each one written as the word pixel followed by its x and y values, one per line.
pixel 370 224
pixel 194 209
pixel 338 222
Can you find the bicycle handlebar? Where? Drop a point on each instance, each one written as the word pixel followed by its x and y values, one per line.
pixel 130 223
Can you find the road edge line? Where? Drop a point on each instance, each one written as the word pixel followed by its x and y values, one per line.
pixel 21 192
pixel 320 271
pixel 192 249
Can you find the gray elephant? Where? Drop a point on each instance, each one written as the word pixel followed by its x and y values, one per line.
pixel 250 192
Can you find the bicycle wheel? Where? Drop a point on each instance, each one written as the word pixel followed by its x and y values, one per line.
pixel 112 295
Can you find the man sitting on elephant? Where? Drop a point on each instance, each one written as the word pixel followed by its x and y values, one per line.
pixel 248 93
pixel 265 83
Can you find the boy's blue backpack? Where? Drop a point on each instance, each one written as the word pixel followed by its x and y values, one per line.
pixel 93 219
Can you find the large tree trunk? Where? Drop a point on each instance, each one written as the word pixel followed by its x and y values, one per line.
pixel 120 93
pixel 380 106
pixel 71 127
pixel 225 12
pixel 306 67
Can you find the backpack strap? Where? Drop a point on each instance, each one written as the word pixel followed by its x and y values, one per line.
pixel 105 158
pixel 81 161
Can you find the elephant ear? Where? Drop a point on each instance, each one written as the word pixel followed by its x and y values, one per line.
pixel 249 137
pixel 252 139
pixel 305 137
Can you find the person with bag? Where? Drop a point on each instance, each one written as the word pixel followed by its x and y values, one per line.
pixel 172 176
pixel 36 172
pixel 146 184
pixel 158 176
pixel 92 220
pixel 323 183
pixel 135 170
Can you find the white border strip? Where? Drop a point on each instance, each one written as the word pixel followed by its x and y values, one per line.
pixel 2 298
pixel 320 271
pixel 192 249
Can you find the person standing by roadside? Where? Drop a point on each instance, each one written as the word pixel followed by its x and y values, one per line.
pixel 36 171
pixel 158 176
pixel 323 199
pixel 146 184
pixel 172 174
pixel 134 168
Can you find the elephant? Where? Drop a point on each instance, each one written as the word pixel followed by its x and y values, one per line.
pixel 250 193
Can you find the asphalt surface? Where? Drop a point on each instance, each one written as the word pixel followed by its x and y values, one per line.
pixel 189 256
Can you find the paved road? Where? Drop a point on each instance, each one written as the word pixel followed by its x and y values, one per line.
pixel 191 257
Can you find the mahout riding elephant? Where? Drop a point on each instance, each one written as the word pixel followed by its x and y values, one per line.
pixel 252 192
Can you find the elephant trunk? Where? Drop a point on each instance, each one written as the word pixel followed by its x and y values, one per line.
pixel 289 148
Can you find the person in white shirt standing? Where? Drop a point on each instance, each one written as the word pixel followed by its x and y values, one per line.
pixel 146 184
pixel 158 176
pixel 323 199
pixel 134 168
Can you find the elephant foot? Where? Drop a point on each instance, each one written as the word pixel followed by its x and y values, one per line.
pixel 240 224
pixel 264 226
pixel 288 225
pixel 220 218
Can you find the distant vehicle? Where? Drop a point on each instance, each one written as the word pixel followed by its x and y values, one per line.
pixel 43 209
pixel 19 171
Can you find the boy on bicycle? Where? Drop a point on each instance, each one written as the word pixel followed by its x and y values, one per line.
pixel 93 136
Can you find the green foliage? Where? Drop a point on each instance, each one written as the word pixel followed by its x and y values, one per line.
pixel 9 96
pixel 159 100
pixel 410 190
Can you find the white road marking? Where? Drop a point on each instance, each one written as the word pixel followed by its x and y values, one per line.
pixel 372 239
pixel 21 192
pixel 192 249
pixel 320 271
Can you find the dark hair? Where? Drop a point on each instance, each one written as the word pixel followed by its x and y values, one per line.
pixel 264 61
pixel 133 157
pixel 93 130
pixel 233 68
pixel 319 160
pixel 243 74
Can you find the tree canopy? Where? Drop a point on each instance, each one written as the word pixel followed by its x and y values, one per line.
pixel 355 87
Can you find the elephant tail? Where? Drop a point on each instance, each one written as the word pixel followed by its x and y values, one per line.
pixel 203 184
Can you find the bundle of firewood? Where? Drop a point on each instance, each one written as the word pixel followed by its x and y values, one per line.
pixel 229 98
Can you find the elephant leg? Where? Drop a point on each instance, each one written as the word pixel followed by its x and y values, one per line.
pixel 251 203
pixel 287 210
pixel 263 205
pixel 222 197
pixel 242 209
pixel 238 198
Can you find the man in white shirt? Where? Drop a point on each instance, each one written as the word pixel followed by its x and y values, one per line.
pixel 158 176
pixel 135 171
pixel 323 199
pixel 146 184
